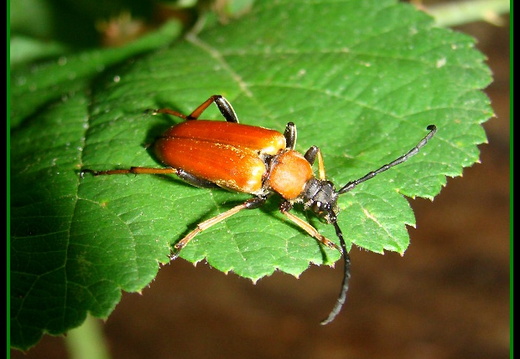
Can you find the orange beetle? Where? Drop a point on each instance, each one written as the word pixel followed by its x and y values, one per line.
pixel 253 160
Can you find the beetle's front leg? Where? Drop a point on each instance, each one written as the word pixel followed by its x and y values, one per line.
pixel 286 206
pixel 311 155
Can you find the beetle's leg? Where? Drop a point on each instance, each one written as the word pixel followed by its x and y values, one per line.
pixel 249 204
pixel 132 170
pixel 225 108
pixel 311 155
pixel 185 176
pixel 286 206
pixel 223 105
pixel 290 135
pixel 194 180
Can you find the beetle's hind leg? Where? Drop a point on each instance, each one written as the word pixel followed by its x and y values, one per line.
pixel 185 176
pixel 131 170
pixel 194 180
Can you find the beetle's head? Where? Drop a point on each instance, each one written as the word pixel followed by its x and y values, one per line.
pixel 321 197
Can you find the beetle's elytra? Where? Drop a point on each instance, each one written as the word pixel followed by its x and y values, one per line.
pixel 258 161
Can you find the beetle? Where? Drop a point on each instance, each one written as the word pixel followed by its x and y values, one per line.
pixel 258 161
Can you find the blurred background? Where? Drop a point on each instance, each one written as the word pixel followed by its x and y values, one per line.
pixel 447 297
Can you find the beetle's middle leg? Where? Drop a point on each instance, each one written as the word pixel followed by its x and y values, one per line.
pixel 249 204
pixel 223 105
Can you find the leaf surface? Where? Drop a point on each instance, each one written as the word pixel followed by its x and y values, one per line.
pixel 361 80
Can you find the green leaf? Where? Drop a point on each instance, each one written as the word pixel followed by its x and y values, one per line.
pixel 361 80
pixel 37 86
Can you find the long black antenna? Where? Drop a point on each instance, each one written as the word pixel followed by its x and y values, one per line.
pixel 346 273
pixel 332 216
pixel 349 186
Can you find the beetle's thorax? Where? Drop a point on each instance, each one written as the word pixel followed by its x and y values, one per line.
pixel 288 174
pixel 291 176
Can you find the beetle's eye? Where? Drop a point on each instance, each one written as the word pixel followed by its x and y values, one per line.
pixel 319 208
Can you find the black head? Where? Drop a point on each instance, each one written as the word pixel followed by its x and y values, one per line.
pixel 321 197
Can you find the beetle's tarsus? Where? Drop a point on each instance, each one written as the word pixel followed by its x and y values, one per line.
pixel 86 170
pixel 174 255
pixel 150 111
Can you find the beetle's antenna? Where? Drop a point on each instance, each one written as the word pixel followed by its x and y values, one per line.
pixel 332 218
pixel 346 273
pixel 349 186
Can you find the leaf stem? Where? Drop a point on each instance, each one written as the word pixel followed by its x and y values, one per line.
pixel 87 341
pixel 463 12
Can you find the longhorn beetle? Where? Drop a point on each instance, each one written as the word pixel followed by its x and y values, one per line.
pixel 258 161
